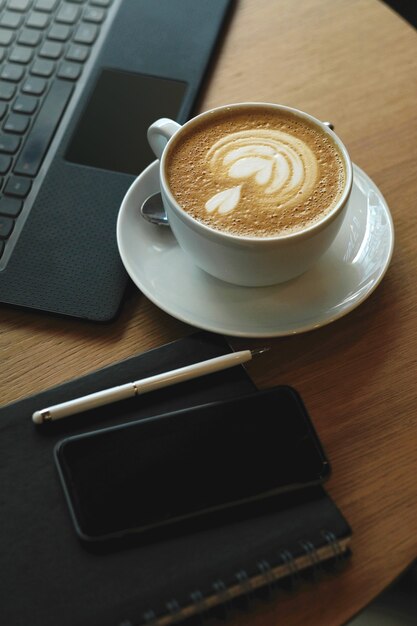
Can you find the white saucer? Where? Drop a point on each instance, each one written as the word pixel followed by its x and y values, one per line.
pixel 343 278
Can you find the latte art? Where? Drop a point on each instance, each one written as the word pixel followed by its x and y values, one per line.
pixel 283 165
pixel 255 172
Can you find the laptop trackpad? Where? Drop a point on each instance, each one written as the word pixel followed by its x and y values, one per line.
pixel 111 132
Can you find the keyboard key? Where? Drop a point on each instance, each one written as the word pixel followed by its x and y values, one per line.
pixel 86 33
pixel 59 32
pixel 43 128
pixel 42 67
pixel 25 104
pixel 3 109
pixel 78 53
pixel 16 123
pixel 5 163
pixel 12 72
pixel 17 186
pixel 6 226
pixel 6 36
pixel 10 206
pixel 2 247
pixel 51 50
pixel 37 20
pixel 68 14
pixel 34 86
pixel 2 54
pixel 94 14
pixel 70 71
pixel 29 37
pixel 21 54
pixel 10 19
pixel 19 5
pixel 101 3
pixel 7 90
pixel 45 5
pixel 9 144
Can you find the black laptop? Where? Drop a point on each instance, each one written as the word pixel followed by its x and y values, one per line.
pixel 80 82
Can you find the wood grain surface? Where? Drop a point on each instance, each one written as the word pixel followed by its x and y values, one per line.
pixel 353 62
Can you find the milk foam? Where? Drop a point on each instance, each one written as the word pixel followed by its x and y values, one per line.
pixel 254 171
pixel 282 165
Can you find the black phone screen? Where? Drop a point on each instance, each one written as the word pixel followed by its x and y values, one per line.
pixel 147 473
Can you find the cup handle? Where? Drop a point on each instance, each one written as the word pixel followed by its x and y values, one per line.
pixel 159 133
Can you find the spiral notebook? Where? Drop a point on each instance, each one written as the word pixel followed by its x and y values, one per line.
pixel 52 579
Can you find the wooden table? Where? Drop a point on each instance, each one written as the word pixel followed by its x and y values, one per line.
pixel 353 62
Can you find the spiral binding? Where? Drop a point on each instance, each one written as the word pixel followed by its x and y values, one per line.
pixel 173 607
pixel 221 590
pixel 288 560
pixel 198 601
pixel 315 562
pixel 266 576
pixel 265 570
pixel 331 539
pixel 339 555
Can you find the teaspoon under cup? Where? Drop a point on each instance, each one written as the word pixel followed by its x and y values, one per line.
pixel 152 210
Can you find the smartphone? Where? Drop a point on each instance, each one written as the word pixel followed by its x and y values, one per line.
pixel 157 471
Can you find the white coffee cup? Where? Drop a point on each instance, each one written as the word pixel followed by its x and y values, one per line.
pixel 244 260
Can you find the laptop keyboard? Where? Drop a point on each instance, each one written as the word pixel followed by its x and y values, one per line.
pixel 44 45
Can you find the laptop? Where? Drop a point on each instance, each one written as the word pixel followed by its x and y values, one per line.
pixel 80 82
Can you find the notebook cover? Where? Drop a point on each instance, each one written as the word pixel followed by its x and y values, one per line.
pixel 50 578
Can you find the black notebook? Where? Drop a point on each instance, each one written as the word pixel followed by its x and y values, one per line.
pixel 50 578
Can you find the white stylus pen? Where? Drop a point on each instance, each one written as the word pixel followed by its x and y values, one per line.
pixel 138 387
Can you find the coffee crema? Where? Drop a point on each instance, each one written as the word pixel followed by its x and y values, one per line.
pixel 256 172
